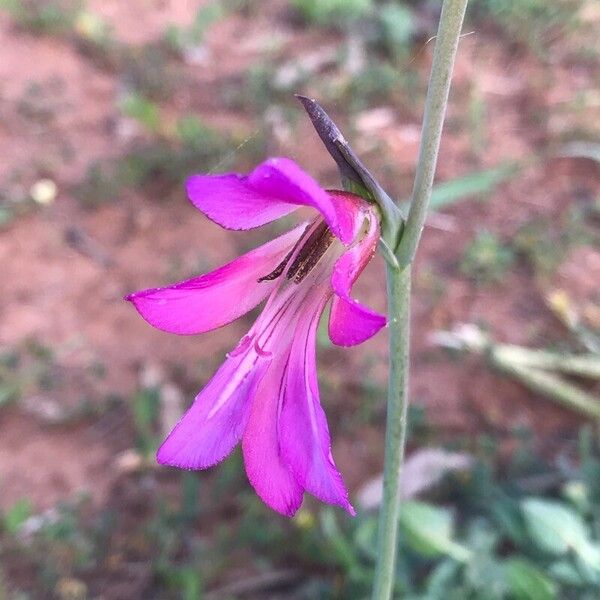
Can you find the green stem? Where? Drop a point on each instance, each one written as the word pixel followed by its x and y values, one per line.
pixel 398 296
pixel 451 19
pixel 398 286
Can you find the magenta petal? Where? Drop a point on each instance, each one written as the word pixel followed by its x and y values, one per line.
pixel 233 203
pixel 303 432
pixel 350 211
pixel 350 322
pixel 270 477
pixel 275 188
pixel 214 424
pixel 217 298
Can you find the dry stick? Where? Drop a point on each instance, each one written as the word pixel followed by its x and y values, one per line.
pixel 549 384
pixel 584 365
pixel 398 285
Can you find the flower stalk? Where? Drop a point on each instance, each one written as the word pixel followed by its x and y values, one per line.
pixel 398 286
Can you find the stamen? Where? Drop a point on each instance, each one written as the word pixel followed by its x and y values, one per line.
pixel 278 269
pixel 311 252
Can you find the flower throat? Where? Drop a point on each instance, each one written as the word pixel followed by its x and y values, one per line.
pixel 311 250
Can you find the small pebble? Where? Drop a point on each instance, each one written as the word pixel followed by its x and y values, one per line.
pixel 43 191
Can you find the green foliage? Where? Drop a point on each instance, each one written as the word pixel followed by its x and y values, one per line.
pixel 484 538
pixel 146 69
pixel 146 409
pixel 10 389
pixel 380 34
pixel 375 83
pixel 16 515
pixel 477 118
pixel 389 26
pixel 486 259
pixel 181 39
pixel 538 243
pixel 476 185
pixel 527 582
pixel 397 27
pixel 557 529
pixel 258 86
pixel 146 112
pixel 93 32
pixel 43 16
pixel 534 22
pixel 428 530
pixel 60 542
pixel 506 544
pixel 164 163
pixel 545 242
pixel 332 13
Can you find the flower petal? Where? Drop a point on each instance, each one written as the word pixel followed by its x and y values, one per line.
pixel 350 210
pixel 303 432
pixel 274 189
pixel 219 297
pixel 270 477
pixel 350 322
pixel 214 424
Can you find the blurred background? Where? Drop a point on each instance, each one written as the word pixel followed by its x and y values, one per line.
pixel 106 107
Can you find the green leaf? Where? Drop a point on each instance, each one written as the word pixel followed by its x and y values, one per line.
pixel 479 184
pixel 332 12
pixel 398 26
pixel 16 515
pixel 441 578
pixel 527 582
pixel 508 518
pixel 145 408
pixel 6 216
pixel 341 547
pixel 365 537
pixel 8 393
pixel 486 576
pixel 565 572
pixel 588 565
pixel 556 529
pixel 142 110
pixel 428 531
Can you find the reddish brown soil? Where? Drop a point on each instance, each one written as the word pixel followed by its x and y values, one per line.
pixel 71 299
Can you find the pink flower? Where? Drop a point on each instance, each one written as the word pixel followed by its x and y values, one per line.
pixel 266 392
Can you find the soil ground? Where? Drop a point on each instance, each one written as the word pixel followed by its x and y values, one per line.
pixel 66 267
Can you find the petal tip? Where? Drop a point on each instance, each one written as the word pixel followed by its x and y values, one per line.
pixel 288 507
pixel 163 459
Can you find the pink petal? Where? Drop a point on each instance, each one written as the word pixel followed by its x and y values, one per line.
pixel 270 477
pixel 350 322
pixel 217 298
pixel 303 433
pixel 214 424
pixel 274 189
pixel 350 212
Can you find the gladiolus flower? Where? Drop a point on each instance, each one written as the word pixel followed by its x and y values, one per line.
pixel 266 392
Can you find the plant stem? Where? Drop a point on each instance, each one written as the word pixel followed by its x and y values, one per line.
pixel 451 19
pixel 398 297
pixel 398 288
